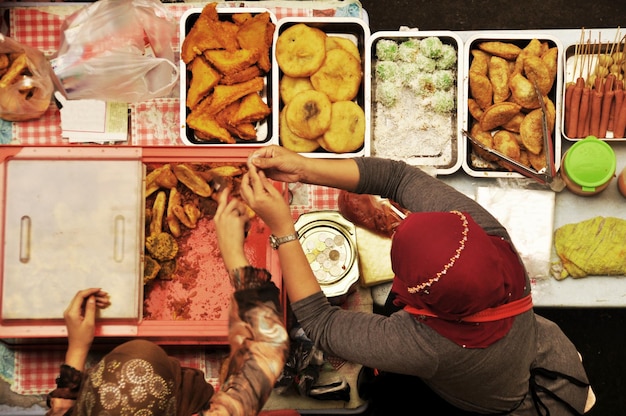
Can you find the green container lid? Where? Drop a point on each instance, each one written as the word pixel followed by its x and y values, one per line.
pixel 590 163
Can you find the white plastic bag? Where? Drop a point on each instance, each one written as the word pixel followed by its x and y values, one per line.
pixel 25 81
pixel 116 50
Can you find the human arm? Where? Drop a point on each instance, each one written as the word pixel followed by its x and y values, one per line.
pixel 259 343
pixel 80 320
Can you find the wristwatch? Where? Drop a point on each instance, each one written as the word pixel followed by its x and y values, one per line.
pixel 276 241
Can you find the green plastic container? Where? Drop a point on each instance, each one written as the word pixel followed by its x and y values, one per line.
pixel 588 166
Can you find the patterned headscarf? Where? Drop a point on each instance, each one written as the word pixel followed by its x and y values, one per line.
pixel 444 262
pixel 139 378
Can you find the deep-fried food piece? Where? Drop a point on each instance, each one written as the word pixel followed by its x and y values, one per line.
pixel 208 32
pixel 162 246
pixel 309 114
pixel 531 132
pixel 533 48
pixel 181 215
pixel 226 170
pixel 18 65
pixel 498 114
pixel 242 76
pixel 347 128
pixel 523 91
pixel 550 59
pixel 480 89
pixel 158 211
pixel 4 61
pixel 257 34
pixel 537 71
pixel 290 86
pixel 334 42
pixel 151 179
pixel 203 78
pixel 300 50
pixel 291 141
pixel 508 51
pixel 194 181
pixel 480 62
pixel 486 139
pixel 166 178
pixel 172 222
pixel 474 109
pixel 224 95
pixel 151 269
pixel 252 108
pixel 506 143
pixel 206 127
pixel 339 77
pixel 167 270
pixel 230 62
pixel 514 123
pixel 245 131
pixel 537 162
pixel 499 77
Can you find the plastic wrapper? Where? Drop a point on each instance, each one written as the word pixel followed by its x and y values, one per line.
pixel 117 51
pixel 380 215
pixel 26 85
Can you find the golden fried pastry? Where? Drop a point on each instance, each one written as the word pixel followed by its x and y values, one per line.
pixel 158 211
pixel 480 62
pixel 203 79
pixel 291 141
pixel 347 128
pixel 300 50
pixel 290 86
pixel 498 72
pixel 474 109
pixel 523 91
pixel 486 139
pixel 498 114
pixel 251 109
pixel 480 89
pixel 309 114
pixel 223 95
pixel 506 143
pixel 256 33
pixel 550 59
pixel 208 32
pixel 508 51
pixel 241 76
pixel 533 48
pixel 206 127
pixel 230 62
pixel 531 132
pixel 537 71
pixel 334 42
pixel 173 224
pixel 339 77
pixel 537 162
pixel 514 123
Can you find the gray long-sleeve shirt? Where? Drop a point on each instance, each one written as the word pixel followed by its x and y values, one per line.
pixel 487 380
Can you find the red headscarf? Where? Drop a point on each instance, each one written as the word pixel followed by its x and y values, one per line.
pixel 444 262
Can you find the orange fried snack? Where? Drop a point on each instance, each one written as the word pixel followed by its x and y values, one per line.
pixel 251 109
pixel 257 34
pixel 227 94
pixel 209 33
pixel 228 62
pixel 204 78
pixel 207 127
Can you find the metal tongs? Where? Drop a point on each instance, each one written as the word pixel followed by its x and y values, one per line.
pixel 548 175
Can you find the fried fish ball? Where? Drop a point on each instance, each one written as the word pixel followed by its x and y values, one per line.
pixel 309 114
pixel 498 114
pixel 334 42
pixel 347 128
pixel 290 86
pixel 498 71
pixel 531 131
pixel 339 77
pixel 291 141
pixel 508 51
pixel 480 89
pixel 523 91
pixel 300 50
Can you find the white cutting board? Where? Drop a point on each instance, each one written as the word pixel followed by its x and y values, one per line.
pixel 70 225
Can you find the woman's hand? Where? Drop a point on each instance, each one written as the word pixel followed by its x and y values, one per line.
pixel 230 222
pixel 80 320
pixel 279 163
pixel 267 201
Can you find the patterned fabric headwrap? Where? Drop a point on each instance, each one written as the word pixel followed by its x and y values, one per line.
pixel 139 378
pixel 444 262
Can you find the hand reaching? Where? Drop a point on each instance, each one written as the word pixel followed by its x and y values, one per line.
pixel 279 163
pixel 230 222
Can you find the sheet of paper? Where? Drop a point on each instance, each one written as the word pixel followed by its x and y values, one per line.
pixel 93 120
pixel 528 215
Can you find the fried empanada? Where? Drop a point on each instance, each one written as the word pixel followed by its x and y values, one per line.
pixel 486 139
pixel 523 91
pixel 498 114
pixel 474 109
pixel 536 71
pixel 506 143
pixel 480 89
pixel 499 77
pixel 508 51
pixel 480 62
pixel 531 131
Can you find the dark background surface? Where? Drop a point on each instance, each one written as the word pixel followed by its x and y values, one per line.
pixel 599 334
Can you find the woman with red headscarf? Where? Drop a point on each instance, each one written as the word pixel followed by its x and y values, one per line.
pixel 462 328
pixel 139 378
